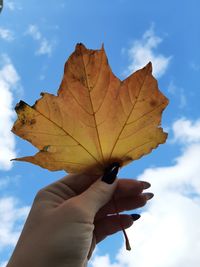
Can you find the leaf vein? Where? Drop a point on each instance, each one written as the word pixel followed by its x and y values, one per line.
pixel 72 138
pixel 98 73
pixel 94 117
pixel 145 114
pixel 136 148
pixel 78 101
pixel 128 116
pixel 142 128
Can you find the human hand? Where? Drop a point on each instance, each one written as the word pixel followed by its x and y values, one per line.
pixel 70 216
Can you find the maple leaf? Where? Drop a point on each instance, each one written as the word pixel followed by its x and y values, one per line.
pixel 95 119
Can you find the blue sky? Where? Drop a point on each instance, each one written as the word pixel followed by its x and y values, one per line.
pixel 36 38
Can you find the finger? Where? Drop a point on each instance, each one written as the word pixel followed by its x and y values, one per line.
pixel 122 204
pixel 79 182
pixel 130 187
pixel 99 193
pixel 69 186
pixel 110 225
pixel 75 184
pixel 96 196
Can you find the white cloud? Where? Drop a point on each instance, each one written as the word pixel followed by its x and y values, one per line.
pixel 34 32
pixel 5 181
pixel 12 5
pixel 168 232
pixel 6 34
pixel 12 219
pixel 104 261
pixel 45 46
pixel 9 83
pixel 194 66
pixel 3 264
pixel 186 131
pixel 144 50
pixel 179 93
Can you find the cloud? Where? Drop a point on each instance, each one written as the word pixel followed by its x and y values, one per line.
pixel 12 5
pixel 6 34
pixel 9 84
pixel 179 93
pixel 194 66
pixel 168 233
pixel 12 218
pixel 45 46
pixel 104 261
pixel 186 131
pixel 3 264
pixel 5 181
pixel 144 50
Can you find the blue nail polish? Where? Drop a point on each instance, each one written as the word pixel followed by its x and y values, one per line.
pixel 135 216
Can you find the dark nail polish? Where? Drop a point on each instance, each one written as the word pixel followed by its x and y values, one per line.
pixel 135 217
pixel 148 195
pixel 145 184
pixel 110 173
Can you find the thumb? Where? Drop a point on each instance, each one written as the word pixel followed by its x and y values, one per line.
pixel 100 192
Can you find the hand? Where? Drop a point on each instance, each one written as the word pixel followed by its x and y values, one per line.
pixel 70 216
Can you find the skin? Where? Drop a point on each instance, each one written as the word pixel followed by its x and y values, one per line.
pixel 69 217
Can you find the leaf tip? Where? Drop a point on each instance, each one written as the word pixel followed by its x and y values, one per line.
pixel 80 47
pixel 15 159
pixel 149 67
pixel 20 106
pixel 166 135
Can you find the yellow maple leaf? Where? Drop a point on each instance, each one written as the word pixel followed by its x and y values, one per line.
pixel 95 119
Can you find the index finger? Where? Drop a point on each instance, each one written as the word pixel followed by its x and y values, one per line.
pixel 130 187
pixel 78 183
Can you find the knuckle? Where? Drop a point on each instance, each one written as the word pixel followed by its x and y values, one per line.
pixel 39 195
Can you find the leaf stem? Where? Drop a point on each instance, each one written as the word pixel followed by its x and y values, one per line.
pixel 128 247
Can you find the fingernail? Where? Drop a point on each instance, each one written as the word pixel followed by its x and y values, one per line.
pixel 148 195
pixel 135 217
pixel 145 184
pixel 110 173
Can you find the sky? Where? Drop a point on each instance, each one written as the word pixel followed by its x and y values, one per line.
pixel 36 38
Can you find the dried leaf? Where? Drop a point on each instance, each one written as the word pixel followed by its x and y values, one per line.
pixel 95 119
